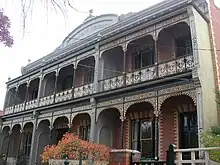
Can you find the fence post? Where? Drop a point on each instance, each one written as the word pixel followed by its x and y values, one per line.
pixel 66 162
pixel 170 155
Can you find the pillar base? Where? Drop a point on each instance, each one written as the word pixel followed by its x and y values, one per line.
pixel 120 157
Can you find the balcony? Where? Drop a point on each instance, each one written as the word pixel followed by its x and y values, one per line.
pixel 169 68
pixel 165 69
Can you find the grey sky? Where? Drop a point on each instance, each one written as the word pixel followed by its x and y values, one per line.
pixel 43 37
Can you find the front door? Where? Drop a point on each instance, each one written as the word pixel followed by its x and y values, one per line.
pixel 188 131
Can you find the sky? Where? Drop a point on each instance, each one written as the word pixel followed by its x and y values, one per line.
pixel 45 30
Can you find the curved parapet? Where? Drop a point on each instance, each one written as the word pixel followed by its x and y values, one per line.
pixel 90 26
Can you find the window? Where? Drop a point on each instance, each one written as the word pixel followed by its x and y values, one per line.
pixel 143 137
pixel 27 143
pixel 88 75
pixel 84 132
pixel 143 57
pixel 183 46
pixel 67 83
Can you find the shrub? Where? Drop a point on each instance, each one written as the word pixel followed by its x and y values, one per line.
pixel 211 138
pixel 71 147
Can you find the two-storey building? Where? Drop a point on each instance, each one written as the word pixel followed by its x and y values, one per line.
pixel 138 81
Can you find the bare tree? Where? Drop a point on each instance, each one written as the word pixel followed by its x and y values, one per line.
pixel 59 6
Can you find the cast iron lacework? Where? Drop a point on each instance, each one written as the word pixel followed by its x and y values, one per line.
pixel 178 65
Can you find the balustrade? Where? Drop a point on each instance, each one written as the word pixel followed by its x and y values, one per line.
pixel 31 104
pixel 164 69
pixel 113 83
pixel 8 110
pixel 84 90
pixel 175 66
pixel 19 107
pixel 63 96
pixel 47 100
pixel 141 75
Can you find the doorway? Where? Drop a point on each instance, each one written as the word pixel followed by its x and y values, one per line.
pixel 188 132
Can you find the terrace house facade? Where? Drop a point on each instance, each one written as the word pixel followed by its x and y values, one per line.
pixel 138 81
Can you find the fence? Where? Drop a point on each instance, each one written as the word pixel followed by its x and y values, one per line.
pixel 195 156
pixel 184 156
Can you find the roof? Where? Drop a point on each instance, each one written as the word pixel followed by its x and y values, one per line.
pixel 105 25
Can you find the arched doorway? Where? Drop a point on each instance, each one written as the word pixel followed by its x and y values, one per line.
pixel 27 138
pixel 43 134
pixel 14 141
pixel 141 131
pixel 179 123
pixel 5 139
pixel 81 126
pixel 60 127
pixel 108 128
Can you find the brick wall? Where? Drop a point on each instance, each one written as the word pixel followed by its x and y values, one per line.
pixel 128 62
pixel 165 47
pixel 167 131
pixel 79 77
pixel 117 142
pixel 215 33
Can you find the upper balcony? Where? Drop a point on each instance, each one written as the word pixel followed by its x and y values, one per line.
pixel 144 59
pixel 147 59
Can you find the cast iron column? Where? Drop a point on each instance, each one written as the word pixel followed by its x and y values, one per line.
pixel 74 77
pixel 39 88
pixel 33 139
pixel 93 120
pixel 26 95
pixel 122 131
pixel 156 56
pixel 124 62
pixel 15 98
pixel 55 85
pixel 50 134
pixel 97 70
pixel 157 113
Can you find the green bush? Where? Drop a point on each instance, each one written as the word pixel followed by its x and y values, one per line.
pixel 211 138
